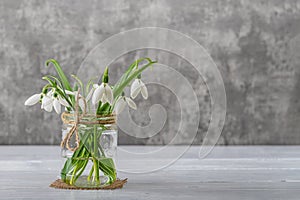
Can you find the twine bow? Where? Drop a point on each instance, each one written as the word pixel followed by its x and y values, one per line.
pixel 77 117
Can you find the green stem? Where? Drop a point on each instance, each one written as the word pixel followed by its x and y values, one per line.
pixel 95 160
pixel 73 177
pixel 91 173
pixel 96 170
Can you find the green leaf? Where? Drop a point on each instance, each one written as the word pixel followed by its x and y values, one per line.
pixel 90 82
pixel 107 166
pixel 65 83
pixel 103 109
pixel 129 70
pixel 55 79
pixel 50 81
pixel 79 82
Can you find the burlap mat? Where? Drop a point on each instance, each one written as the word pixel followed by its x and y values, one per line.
pixel 59 184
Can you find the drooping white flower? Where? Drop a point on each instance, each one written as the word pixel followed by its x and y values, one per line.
pixel 90 94
pixel 136 87
pixel 47 103
pixel 71 92
pixel 121 103
pixel 59 101
pixel 57 105
pixel 80 101
pixel 34 99
pixel 52 100
pixel 102 93
pixel 63 102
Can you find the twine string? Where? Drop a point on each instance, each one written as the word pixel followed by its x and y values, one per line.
pixel 77 117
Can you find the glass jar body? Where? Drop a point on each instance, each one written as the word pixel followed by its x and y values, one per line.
pixel 92 161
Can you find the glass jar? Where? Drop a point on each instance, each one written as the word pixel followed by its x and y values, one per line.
pixel 89 149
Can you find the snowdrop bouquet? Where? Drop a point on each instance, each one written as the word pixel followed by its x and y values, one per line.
pixel 89 116
pixel 58 92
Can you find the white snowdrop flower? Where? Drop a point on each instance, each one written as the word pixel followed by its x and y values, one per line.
pixel 58 101
pixel 63 102
pixel 70 92
pixel 121 103
pixel 81 104
pixel 57 105
pixel 102 93
pixel 90 94
pixel 34 99
pixel 53 100
pixel 80 100
pixel 47 103
pixel 136 87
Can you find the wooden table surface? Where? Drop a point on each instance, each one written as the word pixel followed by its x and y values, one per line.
pixel 234 172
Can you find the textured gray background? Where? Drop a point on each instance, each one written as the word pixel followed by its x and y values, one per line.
pixel 255 44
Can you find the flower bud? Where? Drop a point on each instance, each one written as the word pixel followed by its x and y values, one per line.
pixel 105 76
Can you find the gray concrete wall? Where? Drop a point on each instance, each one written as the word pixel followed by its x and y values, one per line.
pixel 255 44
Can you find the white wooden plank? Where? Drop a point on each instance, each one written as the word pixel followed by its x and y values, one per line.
pixel 250 172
